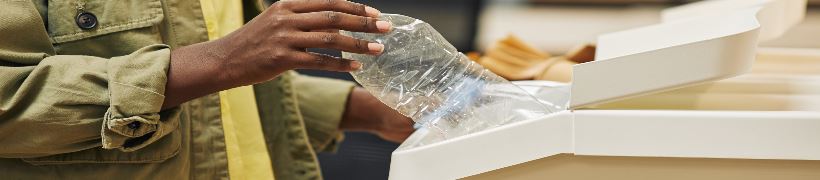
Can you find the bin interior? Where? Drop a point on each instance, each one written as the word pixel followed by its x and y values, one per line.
pixel 780 80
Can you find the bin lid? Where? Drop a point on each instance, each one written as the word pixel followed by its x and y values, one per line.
pixel 696 43
pixel 775 16
pixel 667 56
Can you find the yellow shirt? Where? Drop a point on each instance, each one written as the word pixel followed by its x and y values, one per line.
pixel 247 153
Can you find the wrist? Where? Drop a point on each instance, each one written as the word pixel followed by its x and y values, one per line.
pixel 194 72
pixel 363 112
pixel 366 113
pixel 224 73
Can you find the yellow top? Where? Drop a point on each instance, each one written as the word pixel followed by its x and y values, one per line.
pixel 247 153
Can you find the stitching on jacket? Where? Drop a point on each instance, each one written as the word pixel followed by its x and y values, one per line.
pixel 115 82
pixel 110 29
pixel 160 158
pixel 129 21
pixel 172 26
pixel 105 29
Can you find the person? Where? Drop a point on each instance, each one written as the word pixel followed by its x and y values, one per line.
pixel 180 89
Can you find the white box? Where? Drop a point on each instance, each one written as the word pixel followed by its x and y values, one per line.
pixel 643 97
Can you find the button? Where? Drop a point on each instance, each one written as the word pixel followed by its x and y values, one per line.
pixel 86 20
pixel 134 125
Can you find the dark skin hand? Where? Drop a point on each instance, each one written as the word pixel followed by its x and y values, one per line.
pixel 275 42
pixel 366 113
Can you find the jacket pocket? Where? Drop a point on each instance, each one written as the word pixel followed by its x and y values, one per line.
pixel 111 16
pixel 159 151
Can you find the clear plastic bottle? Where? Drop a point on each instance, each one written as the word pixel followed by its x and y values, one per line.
pixel 425 78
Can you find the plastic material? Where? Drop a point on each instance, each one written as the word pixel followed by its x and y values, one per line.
pixel 637 62
pixel 775 16
pixel 425 78
pixel 666 56
pixel 702 130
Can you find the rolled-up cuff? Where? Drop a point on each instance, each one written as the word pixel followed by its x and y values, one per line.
pixel 136 87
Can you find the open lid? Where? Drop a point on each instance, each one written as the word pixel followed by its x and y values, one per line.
pixel 694 44
pixel 775 16
pixel 666 56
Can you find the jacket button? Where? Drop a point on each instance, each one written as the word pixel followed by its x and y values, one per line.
pixel 86 20
pixel 134 125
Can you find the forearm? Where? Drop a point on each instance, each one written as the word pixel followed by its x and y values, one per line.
pixel 363 112
pixel 71 96
pixel 270 44
pixel 366 113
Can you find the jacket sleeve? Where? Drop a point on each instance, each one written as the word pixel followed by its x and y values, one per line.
pixel 54 104
pixel 322 103
pixel 63 104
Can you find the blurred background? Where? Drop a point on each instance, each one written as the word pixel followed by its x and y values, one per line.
pixel 553 26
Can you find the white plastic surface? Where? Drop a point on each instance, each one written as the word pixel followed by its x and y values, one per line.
pixel 702 134
pixel 752 92
pixel 782 79
pixel 637 62
pixel 666 56
pixel 776 16
pixel 696 134
pixel 484 151
pixel 704 129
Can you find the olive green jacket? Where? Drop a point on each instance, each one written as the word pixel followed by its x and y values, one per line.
pixel 86 103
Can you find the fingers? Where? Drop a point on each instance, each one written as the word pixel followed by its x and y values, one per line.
pixel 307 60
pixel 336 41
pixel 326 30
pixel 305 6
pixel 336 20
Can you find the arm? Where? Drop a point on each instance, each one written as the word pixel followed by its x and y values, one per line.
pixel 331 106
pixel 53 104
pixel 57 104
pixel 272 43
pixel 366 113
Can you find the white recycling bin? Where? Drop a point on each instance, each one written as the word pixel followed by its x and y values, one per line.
pixel 692 98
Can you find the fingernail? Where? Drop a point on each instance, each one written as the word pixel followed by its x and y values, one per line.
pixel 375 47
pixel 383 26
pixel 372 12
pixel 355 65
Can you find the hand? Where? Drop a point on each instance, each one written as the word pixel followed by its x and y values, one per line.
pixel 276 40
pixel 272 43
pixel 366 113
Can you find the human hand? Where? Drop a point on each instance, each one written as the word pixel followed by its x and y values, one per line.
pixel 272 43
pixel 276 40
pixel 366 113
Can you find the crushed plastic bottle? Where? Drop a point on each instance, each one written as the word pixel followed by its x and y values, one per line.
pixel 425 78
